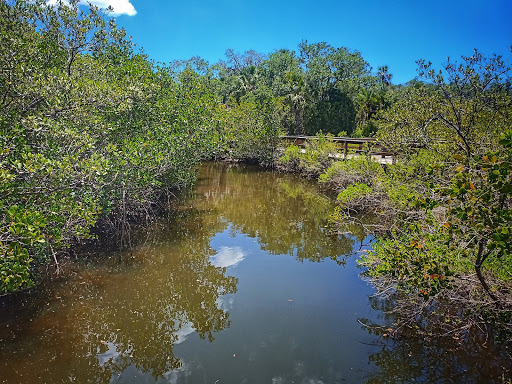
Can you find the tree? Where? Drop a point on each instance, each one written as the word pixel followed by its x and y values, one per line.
pixel 384 75
pixel 454 130
pixel 92 132
pixel 474 98
pixel 273 70
pixel 479 202
pixel 333 79
pixel 461 108
pixel 295 98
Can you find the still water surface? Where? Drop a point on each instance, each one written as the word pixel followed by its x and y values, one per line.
pixel 241 283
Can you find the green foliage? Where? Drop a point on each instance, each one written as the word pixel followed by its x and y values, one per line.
pixel 462 108
pixel 251 130
pixel 314 159
pixel 468 226
pixel 89 129
pixel 355 170
pixel 15 268
pixel 450 186
pixel 291 158
pixel 333 77
pixel 319 86
pixel 479 206
pixel 444 206
pixel 368 129
pixel 420 262
pixel 352 192
pixel 334 111
pixel 404 181
pixel 318 153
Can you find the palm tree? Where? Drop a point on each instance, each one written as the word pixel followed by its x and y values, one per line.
pixel 384 75
pixel 370 102
pixel 295 98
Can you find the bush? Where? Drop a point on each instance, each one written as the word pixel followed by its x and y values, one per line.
pixel 316 157
pixel 252 129
pixel 467 229
pixel 291 159
pixel 355 170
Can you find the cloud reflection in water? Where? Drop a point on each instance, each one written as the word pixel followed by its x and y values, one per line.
pixel 228 257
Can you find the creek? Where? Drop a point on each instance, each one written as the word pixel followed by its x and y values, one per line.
pixel 240 282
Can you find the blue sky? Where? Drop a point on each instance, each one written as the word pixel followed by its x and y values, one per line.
pixel 393 33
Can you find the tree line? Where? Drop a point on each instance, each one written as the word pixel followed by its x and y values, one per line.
pixel 319 88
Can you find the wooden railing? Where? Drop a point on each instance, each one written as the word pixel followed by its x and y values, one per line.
pixel 345 144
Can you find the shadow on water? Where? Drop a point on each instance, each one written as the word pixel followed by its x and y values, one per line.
pixel 432 352
pixel 240 282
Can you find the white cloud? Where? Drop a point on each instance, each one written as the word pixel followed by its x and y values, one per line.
pixel 121 7
pixel 110 355
pixel 183 332
pixel 225 305
pixel 228 257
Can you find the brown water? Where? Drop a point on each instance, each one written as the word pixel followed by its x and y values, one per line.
pixel 240 284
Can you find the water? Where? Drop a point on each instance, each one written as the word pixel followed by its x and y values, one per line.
pixel 241 283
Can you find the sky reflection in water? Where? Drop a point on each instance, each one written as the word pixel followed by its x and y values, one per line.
pixel 239 284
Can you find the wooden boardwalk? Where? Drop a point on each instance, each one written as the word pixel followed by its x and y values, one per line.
pixel 348 147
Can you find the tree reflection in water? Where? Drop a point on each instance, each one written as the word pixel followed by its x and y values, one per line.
pixel 126 315
pixel 421 355
pixel 287 215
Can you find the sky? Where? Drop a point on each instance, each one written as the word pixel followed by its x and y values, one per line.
pixel 392 33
